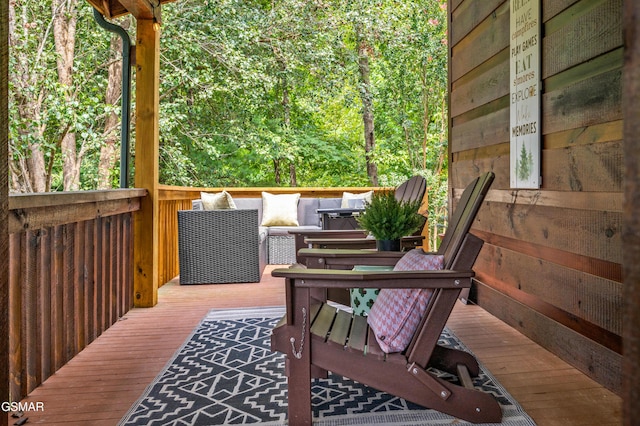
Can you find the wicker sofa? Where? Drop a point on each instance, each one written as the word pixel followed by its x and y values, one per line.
pixel 232 246
pixel 276 244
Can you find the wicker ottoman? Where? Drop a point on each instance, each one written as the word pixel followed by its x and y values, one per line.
pixel 282 249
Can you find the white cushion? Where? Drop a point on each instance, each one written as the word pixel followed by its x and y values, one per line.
pixel 347 196
pixel 280 210
pixel 219 201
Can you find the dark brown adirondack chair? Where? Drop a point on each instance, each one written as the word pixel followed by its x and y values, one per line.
pixel 318 338
pixel 410 190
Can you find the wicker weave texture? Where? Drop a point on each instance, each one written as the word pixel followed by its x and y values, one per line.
pixel 282 250
pixel 218 246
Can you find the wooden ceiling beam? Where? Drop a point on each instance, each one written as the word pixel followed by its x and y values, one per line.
pixel 140 9
pixel 109 8
pixel 143 9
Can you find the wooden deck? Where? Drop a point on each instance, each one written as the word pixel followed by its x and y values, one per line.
pixel 99 385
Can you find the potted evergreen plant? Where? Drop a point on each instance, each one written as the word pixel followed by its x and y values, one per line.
pixel 389 219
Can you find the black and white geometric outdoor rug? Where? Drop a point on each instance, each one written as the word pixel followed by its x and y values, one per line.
pixel 226 374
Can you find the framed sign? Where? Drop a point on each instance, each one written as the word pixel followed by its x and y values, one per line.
pixel 525 93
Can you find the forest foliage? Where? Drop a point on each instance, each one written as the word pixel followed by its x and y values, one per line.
pixel 252 93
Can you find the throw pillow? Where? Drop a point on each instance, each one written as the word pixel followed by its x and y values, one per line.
pixel 396 313
pixel 280 210
pixel 351 200
pixel 362 299
pixel 218 201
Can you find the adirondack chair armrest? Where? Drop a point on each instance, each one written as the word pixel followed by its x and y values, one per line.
pixel 329 278
pixel 358 255
pixel 340 258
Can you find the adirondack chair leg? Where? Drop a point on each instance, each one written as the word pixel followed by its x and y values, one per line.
pixel 463 402
pixel 299 392
pixel 299 361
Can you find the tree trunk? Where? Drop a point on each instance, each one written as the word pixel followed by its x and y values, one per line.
pixel 27 164
pixel 64 34
pixel 293 177
pixel 367 107
pixel 443 129
pixel 286 106
pixel 425 117
pixel 276 171
pixel 108 151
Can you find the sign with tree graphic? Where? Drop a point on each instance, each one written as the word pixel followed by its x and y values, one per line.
pixel 525 93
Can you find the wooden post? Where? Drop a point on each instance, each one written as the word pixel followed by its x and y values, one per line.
pixel 631 219
pixel 4 208
pixel 145 252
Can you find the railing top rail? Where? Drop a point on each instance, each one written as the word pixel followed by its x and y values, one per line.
pixel 51 199
pixel 168 192
pixel 42 210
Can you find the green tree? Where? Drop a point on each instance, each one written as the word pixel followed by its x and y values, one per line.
pixel 253 93
pixel 56 98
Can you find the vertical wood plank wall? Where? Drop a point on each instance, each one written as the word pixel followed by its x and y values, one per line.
pixel 631 233
pixel 552 263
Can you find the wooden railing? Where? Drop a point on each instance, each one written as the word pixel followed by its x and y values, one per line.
pixel 70 276
pixel 174 198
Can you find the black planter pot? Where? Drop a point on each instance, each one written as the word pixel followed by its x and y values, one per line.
pixel 388 245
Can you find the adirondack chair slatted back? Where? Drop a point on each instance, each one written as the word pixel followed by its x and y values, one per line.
pixel 463 217
pixel 412 189
pixel 460 249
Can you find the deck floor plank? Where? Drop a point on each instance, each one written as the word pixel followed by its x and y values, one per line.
pixel 99 385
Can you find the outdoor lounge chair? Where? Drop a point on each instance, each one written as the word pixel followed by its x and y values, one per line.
pixel 220 246
pixel 317 337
